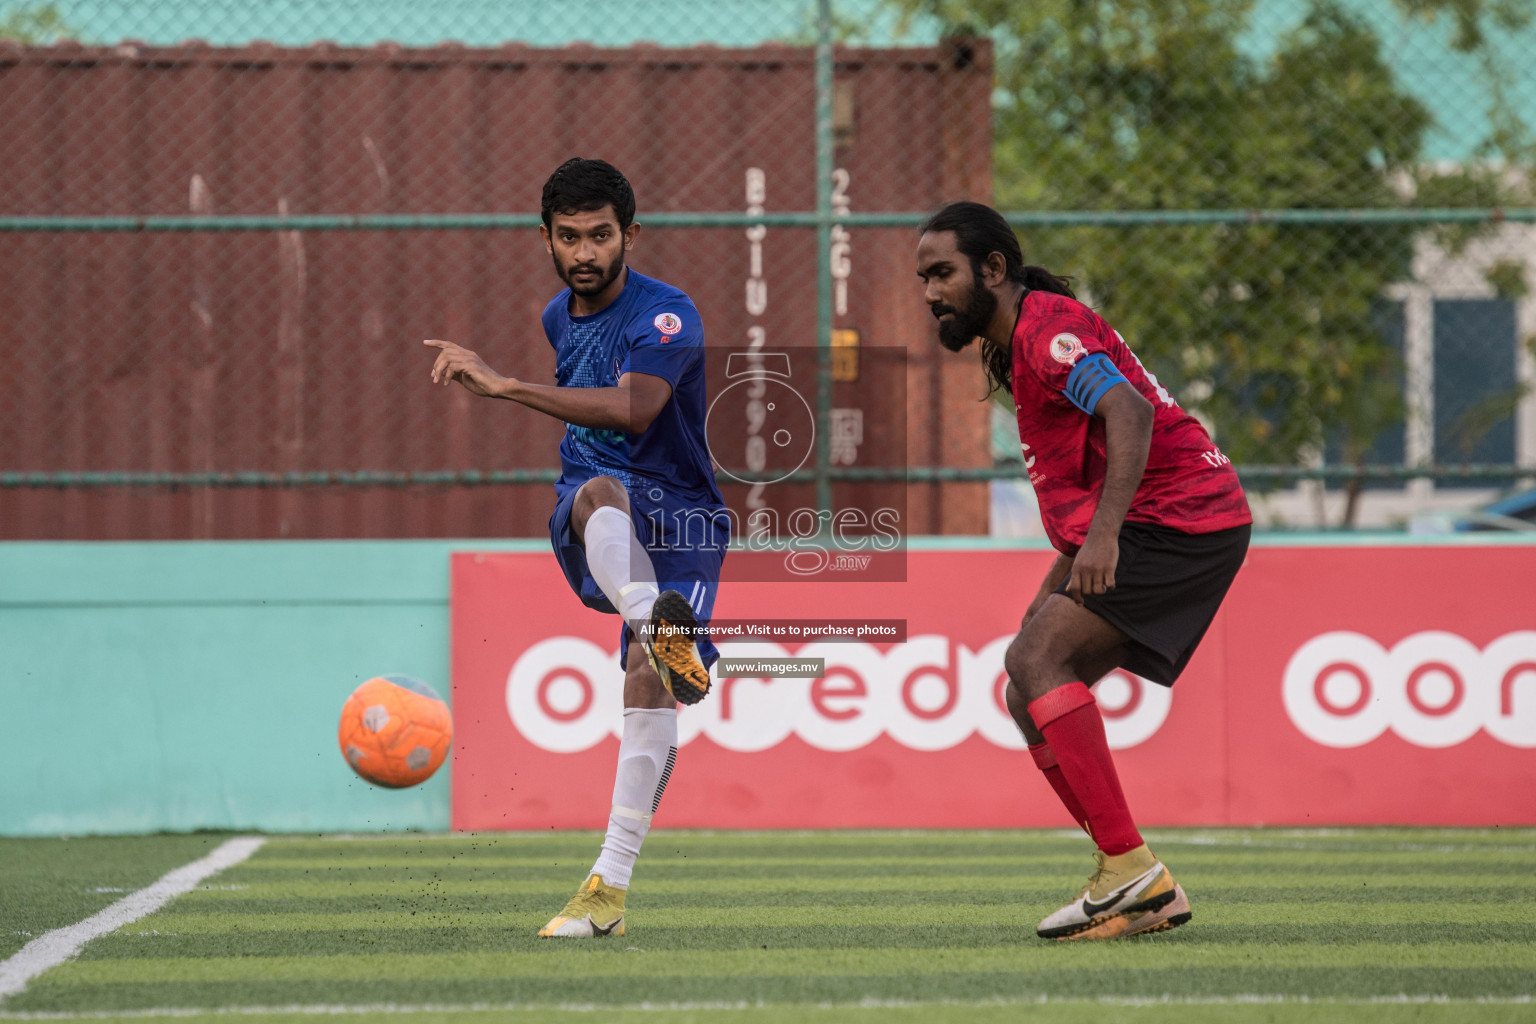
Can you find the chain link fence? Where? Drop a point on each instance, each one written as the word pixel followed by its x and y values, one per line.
pixel 228 226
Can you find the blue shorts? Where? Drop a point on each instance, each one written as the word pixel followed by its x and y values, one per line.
pixel 685 555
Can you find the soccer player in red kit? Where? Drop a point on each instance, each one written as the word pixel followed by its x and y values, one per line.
pixel 1147 514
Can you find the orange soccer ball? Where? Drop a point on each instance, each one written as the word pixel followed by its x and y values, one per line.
pixel 395 731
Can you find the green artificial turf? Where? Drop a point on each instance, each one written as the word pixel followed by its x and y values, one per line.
pixel 50 883
pixel 1290 925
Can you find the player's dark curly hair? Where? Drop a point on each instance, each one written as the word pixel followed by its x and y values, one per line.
pixel 979 232
pixel 581 184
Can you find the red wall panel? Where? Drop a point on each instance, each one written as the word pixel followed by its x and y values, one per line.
pixel 1430 720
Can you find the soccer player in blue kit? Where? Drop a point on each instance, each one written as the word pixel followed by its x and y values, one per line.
pixel 639 526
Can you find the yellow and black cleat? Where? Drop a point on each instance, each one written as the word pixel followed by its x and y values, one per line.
pixel 597 909
pixel 672 648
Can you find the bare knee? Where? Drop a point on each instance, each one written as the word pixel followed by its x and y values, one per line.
pixel 593 495
pixel 1032 669
pixel 1060 644
pixel 1028 680
pixel 1018 707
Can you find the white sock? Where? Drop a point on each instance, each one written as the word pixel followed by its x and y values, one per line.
pixel 647 752
pixel 619 563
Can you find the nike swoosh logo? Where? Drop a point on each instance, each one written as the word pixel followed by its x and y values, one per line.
pixel 598 929
pixel 1093 909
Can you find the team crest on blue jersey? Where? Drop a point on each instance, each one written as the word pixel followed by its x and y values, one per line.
pixel 1066 348
pixel 669 323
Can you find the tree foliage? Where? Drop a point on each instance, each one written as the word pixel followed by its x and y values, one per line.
pixel 32 24
pixel 1270 332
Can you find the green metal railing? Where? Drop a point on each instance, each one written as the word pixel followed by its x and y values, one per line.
pixel 1251 475
pixel 824 140
pixel 788 219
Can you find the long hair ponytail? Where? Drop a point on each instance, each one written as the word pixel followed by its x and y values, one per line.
pixel 1038 279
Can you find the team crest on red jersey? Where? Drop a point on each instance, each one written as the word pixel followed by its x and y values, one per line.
pixel 1066 348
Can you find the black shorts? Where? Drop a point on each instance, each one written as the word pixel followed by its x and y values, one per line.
pixel 1168 585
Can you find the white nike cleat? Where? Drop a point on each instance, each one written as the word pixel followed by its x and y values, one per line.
pixel 597 909
pixel 1129 894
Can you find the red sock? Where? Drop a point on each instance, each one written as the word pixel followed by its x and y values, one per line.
pixel 1069 720
pixel 1045 760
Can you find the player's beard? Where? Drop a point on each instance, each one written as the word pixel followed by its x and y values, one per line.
pixel 605 275
pixel 968 321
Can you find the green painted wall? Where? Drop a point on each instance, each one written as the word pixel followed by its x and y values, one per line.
pixel 176 686
pixel 185 685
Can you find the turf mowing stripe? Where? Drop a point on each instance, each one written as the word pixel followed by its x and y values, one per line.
pixel 1501 844
pixel 1202 856
pixel 1320 883
pixel 552 961
pixel 55 947
pixel 750 837
pixel 545 861
pixel 664 841
pixel 1345 902
pixel 1067 873
pixel 811 915
pixel 880 1006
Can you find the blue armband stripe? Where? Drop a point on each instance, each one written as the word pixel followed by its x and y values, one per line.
pixel 1092 376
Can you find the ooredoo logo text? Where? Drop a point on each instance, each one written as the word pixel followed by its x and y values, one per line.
pixel 1433 689
pixel 565 694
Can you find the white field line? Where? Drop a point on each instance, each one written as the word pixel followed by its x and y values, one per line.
pixel 336 1009
pixel 53 948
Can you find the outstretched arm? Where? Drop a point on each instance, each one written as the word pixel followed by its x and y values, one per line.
pixel 1127 440
pixel 631 406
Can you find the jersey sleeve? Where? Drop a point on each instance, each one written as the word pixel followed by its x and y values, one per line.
pixel 1071 358
pixel 551 320
pixel 666 341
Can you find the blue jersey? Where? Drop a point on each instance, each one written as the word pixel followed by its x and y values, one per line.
pixel 651 328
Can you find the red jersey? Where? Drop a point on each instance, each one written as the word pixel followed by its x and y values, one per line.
pixel 1188 485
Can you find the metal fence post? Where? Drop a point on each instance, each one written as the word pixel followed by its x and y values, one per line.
pixel 823 260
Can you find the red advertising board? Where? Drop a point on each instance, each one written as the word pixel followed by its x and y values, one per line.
pixel 1338 685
